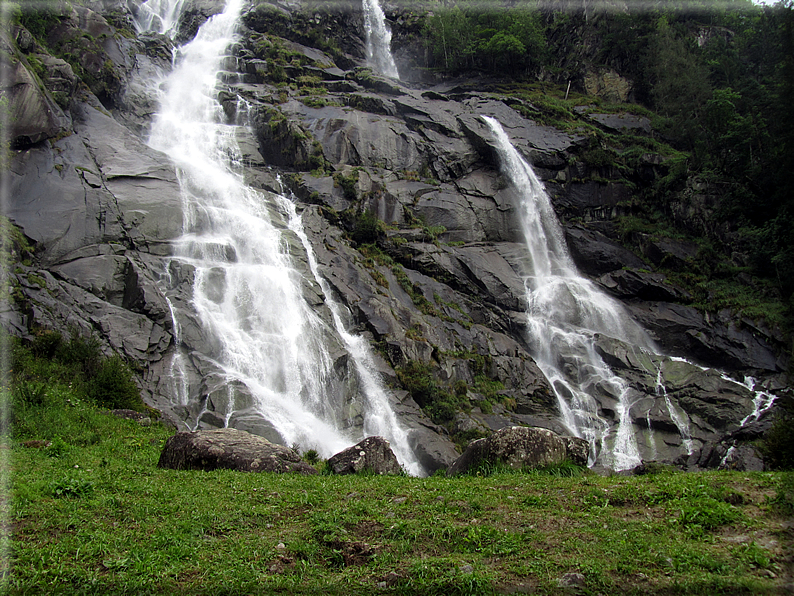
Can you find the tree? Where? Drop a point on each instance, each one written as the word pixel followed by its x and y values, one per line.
pixel 679 82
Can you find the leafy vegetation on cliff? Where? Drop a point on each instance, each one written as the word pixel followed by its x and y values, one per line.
pixel 720 76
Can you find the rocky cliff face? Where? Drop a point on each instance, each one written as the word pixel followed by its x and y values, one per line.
pixel 413 226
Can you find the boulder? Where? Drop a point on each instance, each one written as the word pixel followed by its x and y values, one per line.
pixel 231 449
pixel 373 455
pixel 520 447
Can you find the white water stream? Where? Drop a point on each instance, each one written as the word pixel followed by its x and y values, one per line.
pixel 565 312
pixel 276 354
pixel 380 419
pixel 379 55
pixel 679 418
pixel 762 400
pixel 159 16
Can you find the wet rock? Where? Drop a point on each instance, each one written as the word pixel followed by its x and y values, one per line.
pixel 521 447
pixel 230 449
pixel 194 14
pixel 720 341
pixel 595 254
pixel 633 283
pixel 742 457
pixel 373 455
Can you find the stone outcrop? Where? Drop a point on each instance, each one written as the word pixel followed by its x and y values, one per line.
pixel 229 449
pixel 519 448
pixel 372 455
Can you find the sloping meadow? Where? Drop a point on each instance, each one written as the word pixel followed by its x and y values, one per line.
pixel 92 514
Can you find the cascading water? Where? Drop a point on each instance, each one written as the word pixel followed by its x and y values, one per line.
pixel 565 312
pixel 762 401
pixel 380 419
pixel 379 54
pixel 272 354
pixel 678 418
pixel 159 16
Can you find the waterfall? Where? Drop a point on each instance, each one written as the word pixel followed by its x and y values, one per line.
pixel 380 419
pixel 379 55
pixel 565 312
pixel 271 356
pixel 159 16
pixel 762 401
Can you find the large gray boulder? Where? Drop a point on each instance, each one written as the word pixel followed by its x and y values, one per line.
pixel 520 447
pixel 231 449
pixel 373 455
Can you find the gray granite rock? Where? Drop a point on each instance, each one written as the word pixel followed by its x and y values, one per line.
pixel 230 449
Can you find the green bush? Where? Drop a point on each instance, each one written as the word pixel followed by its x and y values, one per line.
pixel 49 367
pixel 366 228
pixel 113 387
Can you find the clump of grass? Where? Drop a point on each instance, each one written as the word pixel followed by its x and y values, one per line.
pixel 565 469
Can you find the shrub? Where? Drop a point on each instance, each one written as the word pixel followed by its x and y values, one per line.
pixel 347 184
pixel 366 228
pixel 57 447
pixel 30 394
pixel 113 387
pixel 438 403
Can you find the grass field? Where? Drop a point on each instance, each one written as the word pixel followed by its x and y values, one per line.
pixel 101 518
